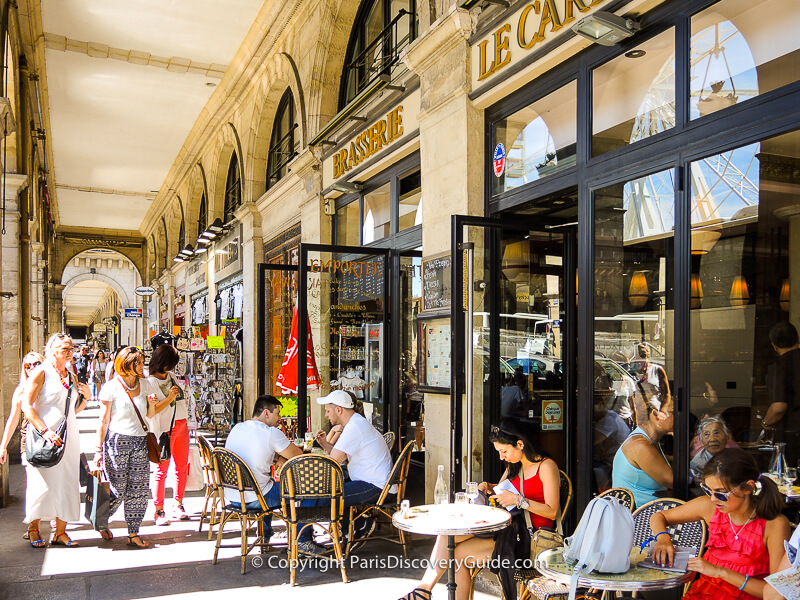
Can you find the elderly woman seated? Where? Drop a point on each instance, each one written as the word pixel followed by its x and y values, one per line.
pixel 715 436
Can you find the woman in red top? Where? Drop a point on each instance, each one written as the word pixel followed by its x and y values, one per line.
pixel 539 497
pixel 746 529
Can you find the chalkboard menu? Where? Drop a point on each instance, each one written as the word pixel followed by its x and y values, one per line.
pixel 436 294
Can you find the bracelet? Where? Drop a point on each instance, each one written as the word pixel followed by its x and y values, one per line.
pixel 651 539
pixel 44 431
pixel 655 537
pixel 746 579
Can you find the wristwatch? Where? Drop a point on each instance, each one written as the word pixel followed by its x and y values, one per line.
pixel 522 502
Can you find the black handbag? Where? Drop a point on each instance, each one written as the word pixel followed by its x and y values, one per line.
pixel 39 452
pixel 164 439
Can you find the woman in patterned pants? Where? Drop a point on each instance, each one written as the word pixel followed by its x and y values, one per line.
pixel 126 400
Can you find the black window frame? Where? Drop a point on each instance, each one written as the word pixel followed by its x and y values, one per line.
pixel 233 188
pixel 358 45
pixel 283 144
pixel 769 114
pixel 202 214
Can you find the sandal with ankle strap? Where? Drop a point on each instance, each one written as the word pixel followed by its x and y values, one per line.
pixel 143 544
pixel 417 594
pixel 106 534
pixel 35 543
pixel 57 540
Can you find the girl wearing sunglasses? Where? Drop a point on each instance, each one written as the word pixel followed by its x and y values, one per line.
pixel 746 529
pixel 29 362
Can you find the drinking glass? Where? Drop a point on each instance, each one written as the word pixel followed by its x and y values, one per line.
pixel 298 441
pixel 789 475
pixel 461 498
pixel 309 441
pixel 405 505
pixel 472 491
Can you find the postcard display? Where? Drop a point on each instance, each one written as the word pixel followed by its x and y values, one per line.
pixel 356 337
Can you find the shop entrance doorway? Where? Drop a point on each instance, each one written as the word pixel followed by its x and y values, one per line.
pixel 514 331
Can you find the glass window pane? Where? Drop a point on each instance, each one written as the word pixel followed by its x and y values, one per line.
pixel 539 140
pixel 737 53
pixel 633 96
pixel 347 226
pixel 633 327
pixel 377 209
pixel 410 201
pixel 745 276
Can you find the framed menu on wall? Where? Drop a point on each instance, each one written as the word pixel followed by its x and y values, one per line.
pixel 434 360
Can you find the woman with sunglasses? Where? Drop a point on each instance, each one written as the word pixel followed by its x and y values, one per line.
pixel 54 492
pixel 524 460
pixel 122 441
pixel 746 529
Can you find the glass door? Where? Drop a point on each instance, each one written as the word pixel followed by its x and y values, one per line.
pixel 514 337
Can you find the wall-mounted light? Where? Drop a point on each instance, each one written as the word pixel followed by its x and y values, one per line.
pixel 605 28
pixel 638 294
pixel 179 258
pixel 346 187
pixel 212 232
pixel 187 251
pixel 740 296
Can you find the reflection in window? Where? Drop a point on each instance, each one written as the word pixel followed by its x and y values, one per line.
pixel 633 310
pixel 410 201
pixel 539 140
pixel 347 225
pixel 745 236
pixel 633 95
pixel 377 206
pixel 737 54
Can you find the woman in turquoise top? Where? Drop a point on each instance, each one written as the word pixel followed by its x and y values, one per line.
pixel 640 464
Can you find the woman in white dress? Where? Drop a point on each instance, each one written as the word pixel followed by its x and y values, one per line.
pixel 54 492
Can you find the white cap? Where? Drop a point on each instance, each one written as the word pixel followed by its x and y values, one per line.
pixel 337 397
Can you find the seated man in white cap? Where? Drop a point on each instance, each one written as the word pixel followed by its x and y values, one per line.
pixel 363 447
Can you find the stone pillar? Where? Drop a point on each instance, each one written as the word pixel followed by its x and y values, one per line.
pixel 452 181
pixel 11 313
pixel 252 255
pixel 38 318
pixel 55 308
pixel 792 214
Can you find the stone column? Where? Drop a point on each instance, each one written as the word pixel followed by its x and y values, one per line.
pixel 11 313
pixel 792 214
pixel 37 297
pixel 252 255
pixel 55 308
pixel 452 181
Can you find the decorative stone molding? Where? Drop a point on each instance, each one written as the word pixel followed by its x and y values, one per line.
pixel 446 33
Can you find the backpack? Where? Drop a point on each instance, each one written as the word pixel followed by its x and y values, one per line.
pixel 602 542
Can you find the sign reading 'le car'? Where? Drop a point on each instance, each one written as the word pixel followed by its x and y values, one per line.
pixel 528 28
pixel 368 142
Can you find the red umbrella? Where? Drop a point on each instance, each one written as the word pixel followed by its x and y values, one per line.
pixel 287 378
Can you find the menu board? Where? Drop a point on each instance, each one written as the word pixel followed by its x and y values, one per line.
pixel 434 356
pixel 436 294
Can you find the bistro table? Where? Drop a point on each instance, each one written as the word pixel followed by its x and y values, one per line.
pixel 551 564
pixel 452 520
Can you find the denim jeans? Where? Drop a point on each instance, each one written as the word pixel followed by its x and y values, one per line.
pixel 355 492
pixel 273 498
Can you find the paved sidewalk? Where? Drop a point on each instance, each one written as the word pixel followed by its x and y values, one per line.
pixel 179 563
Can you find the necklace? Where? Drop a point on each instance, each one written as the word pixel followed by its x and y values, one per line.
pixel 736 533
pixel 128 386
pixel 64 378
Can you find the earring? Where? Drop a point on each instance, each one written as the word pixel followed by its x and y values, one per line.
pixel 757 488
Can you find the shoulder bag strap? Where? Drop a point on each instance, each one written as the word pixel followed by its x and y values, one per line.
pixel 138 414
pixel 525 512
pixel 69 392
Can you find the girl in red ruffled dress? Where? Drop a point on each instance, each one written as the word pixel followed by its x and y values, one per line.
pixel 746 529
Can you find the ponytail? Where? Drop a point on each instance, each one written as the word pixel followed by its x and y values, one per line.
pixel 767 498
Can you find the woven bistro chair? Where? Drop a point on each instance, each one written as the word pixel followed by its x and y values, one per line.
pixel 385 506
pixel 211 503
pixel 532 584
pixel 234 474
pixel 388 437
pixel 624 495
pixel 318 478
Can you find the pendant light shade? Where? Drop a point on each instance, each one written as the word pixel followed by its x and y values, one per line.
pixel 784 297
pixel 740 296
pixel 638 294
pixel 516 260
pixel 697 291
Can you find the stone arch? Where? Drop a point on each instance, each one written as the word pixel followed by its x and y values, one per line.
pixel 124 298
pixel 322 100
pixel 227 144
pixel 69 248
pixel 280 75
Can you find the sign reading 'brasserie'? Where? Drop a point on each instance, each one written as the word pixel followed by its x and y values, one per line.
pixel 368 142
pixel 526 30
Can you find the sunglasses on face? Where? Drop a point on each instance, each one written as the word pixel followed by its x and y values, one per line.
pixel 721 496
pixel 32 365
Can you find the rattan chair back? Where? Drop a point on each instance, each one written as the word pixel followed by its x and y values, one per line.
pixel 389 438
pixel 234 474
pixel 312 477
pixel 398 476
pixel 564 495
pixel 206 451
pixel 624 495
pixel 684 534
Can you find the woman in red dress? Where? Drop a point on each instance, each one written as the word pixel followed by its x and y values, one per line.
pixel 746 529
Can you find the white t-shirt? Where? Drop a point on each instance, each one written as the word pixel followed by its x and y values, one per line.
pixel 123 417
pixel 256 443
pixel 792 547
pixel 162 420
pixel 368 457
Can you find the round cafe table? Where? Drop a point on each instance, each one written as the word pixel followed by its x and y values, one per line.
pixel 452 520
